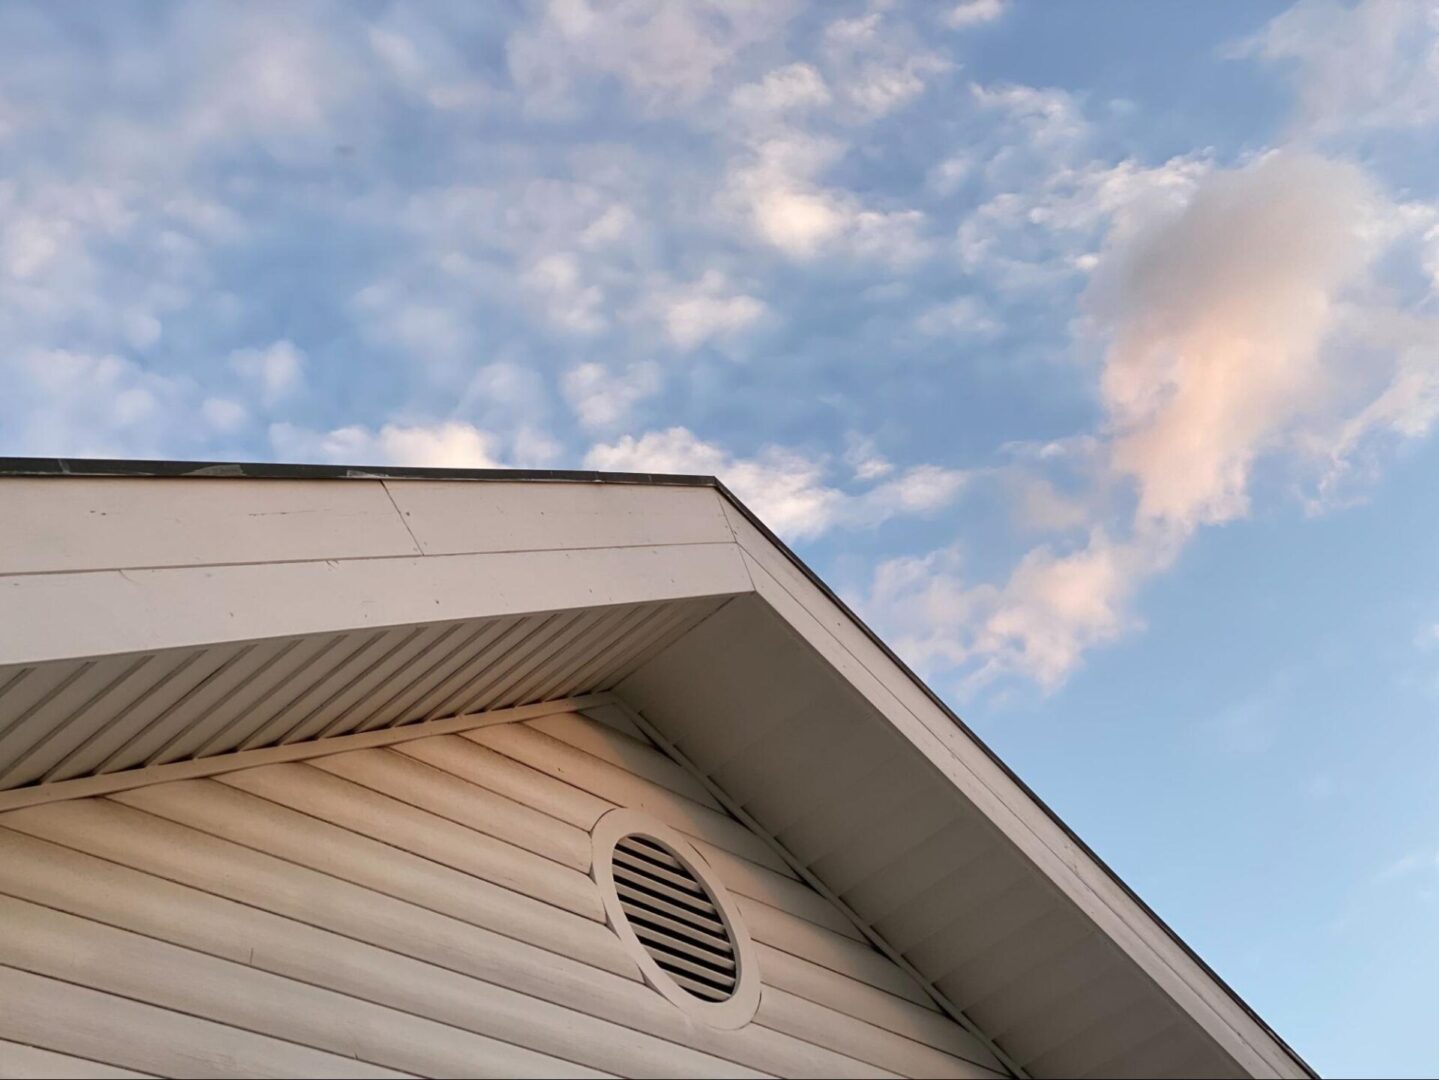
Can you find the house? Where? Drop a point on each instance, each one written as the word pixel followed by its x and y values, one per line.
pixel 323 771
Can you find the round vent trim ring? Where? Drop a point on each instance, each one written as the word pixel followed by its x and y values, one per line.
pixel 621 825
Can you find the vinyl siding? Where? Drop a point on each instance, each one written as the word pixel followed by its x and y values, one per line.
pixel 420 909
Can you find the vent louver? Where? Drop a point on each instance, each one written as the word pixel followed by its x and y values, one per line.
pixel 675 918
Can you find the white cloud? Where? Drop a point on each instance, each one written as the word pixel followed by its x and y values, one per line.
pixel 947 176
pixel 792 88
pixel 1047 116
pixel 865 459
pixel 1220 313
pixel 1406 407
pixel 788 490
pixel 421 59
pixel 449 444
pixel 391 314
pixel 877 68
pixel 1054 607
pixel 1041 507
pixel 965 317
pixel 277 370
pixel 224 415
pixel 603 399
pixel 776 189
pixel 1406 866
pixel 1356 65
pixel 973 13
pixel 59 402
pixel 698 311
pixel 666 56
pixel 1043 227
pixel 569 301
pixel 1217 318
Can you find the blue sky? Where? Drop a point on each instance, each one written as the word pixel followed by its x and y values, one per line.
pixel 1091 350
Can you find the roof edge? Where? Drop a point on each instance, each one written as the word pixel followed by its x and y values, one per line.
pixel 39 467
pixel 264 470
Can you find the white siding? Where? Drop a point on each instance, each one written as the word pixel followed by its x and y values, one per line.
pixel 422 909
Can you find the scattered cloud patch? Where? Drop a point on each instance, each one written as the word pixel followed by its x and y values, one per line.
pixel 864 458
pixel 1055 606
pixel 602 399
pixel 1220 315
pixel 63 403
pixel 1356 65
pixel 665 56
pixel 276 371
pixel 1217 320
pixel 973 13
pixel 793 88
pixel 787 489
pixel 569 302
pixel 697 312
pixel 449 444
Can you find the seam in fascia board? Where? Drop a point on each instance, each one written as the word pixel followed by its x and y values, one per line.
pixel 419 548
pixel 82 787
pixel 721 497
pixel 1062 859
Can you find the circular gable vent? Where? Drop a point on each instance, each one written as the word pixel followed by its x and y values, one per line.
pixel 664 902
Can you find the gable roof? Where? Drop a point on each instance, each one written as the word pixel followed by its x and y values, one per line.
pixel 157 616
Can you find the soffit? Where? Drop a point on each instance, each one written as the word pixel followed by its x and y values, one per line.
pixel 66 719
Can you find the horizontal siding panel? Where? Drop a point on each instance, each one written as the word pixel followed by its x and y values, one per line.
pixel 233 815
pixel 634 756
pixel 445 795
pixel 51 876
pixel 309 896
pixel 468 760
pixel 461 755
pixel 310 790
pixel 864 1040
pixel 129 965
pixel 821 945
pixel 860 1001
pixel 20 1062
pixel 91 1024
pixel 616 785
pixel 763 884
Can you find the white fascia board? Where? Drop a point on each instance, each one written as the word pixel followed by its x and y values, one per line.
pixel 894 692
pixel 448 518
pixel 60 524
pixel 54 616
